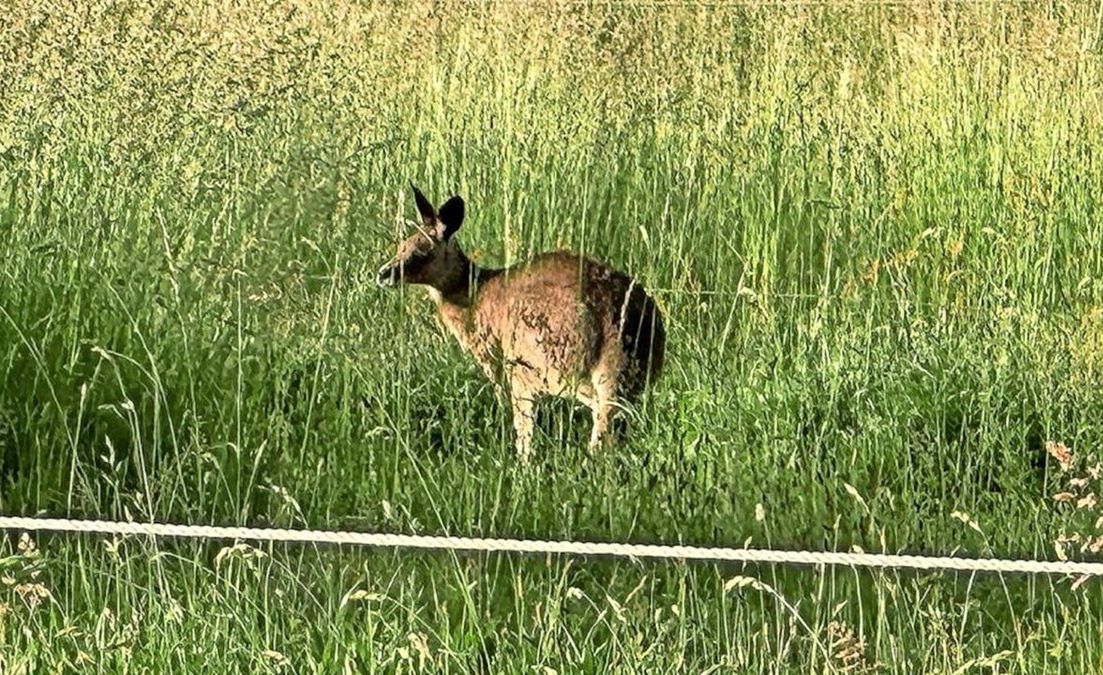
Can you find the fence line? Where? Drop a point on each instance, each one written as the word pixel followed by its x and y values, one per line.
pixel 572 548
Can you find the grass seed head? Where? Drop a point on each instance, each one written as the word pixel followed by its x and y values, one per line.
pixel 1061 453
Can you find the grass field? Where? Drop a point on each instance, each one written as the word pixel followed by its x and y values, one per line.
pixel 875 231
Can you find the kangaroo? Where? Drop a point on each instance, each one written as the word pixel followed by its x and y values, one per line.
pixel 561 324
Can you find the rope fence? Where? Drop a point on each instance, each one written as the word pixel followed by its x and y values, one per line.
pixel 571 548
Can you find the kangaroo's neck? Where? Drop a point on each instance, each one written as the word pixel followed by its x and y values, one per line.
pixel 455 301
pixel 461 289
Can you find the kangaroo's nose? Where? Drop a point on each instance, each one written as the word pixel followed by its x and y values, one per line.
pixel 386 276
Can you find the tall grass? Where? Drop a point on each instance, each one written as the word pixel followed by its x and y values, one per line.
pixel 875 231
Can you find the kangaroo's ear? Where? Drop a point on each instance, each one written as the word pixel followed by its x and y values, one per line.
pixel 450 217
pixel 428 215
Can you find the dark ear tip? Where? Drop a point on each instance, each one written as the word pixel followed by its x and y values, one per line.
pixel 451 215
pixel 423 206
pixel 454 205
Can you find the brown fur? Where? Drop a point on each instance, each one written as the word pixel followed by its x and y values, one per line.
pixel 561 324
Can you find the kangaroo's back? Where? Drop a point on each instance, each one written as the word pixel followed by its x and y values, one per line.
pixel 570 314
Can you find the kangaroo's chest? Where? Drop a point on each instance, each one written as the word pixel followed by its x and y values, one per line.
pixel 473 334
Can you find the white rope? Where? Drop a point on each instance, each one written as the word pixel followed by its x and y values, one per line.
pixel 654 551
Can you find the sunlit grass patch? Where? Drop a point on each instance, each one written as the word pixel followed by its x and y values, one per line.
pixel 874 233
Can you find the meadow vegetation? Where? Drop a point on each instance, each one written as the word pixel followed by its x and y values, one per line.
pixel 875 230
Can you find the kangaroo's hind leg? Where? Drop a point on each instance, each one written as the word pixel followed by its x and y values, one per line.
pixel 523 403
pixel 602 410
pixel 604 405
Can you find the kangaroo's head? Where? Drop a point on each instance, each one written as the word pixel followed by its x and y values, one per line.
pixel 429 256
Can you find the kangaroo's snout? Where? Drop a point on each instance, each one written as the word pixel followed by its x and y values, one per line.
pixel 387 277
